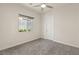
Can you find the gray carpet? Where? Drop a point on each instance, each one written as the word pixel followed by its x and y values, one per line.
pixel 41 47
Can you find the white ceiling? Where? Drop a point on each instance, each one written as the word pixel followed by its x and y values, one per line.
pixel 38 9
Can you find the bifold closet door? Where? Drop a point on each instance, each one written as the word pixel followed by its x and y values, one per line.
pixel 48 26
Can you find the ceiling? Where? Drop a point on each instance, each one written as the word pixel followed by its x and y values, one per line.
pixel 38 9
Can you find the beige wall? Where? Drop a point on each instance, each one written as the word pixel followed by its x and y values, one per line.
pixel 66 24
pixel 9 35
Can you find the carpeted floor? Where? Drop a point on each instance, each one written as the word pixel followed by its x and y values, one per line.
pixel 41 47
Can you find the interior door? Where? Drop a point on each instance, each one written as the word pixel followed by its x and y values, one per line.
pixel 48 26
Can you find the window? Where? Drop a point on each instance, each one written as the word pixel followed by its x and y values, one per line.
pixel 25 23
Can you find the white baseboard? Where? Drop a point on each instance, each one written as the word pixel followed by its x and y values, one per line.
pixel 68 44
pixel 18 43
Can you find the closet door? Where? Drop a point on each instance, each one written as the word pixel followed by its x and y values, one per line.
pixel 48 28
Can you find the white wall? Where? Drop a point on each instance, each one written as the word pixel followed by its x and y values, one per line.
pixel 9 35
pixel 66 24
